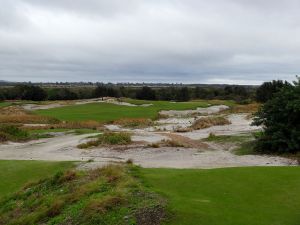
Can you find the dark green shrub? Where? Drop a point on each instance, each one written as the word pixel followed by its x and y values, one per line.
pixel 280 117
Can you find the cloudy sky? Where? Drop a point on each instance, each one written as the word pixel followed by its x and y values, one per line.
pixel 189 41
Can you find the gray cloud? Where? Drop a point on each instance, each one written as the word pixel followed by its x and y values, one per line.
pixel 229 41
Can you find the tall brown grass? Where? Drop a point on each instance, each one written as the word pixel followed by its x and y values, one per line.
pixel 249 108
pixel 27 118
pixel 134 122
pixel 70 125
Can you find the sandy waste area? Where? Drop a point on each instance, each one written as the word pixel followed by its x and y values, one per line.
pixel 195 154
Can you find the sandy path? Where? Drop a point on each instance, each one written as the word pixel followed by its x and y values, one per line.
pixel 61 148
pixel 239 124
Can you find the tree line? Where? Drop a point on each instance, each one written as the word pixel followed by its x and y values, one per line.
pixel 170 93
pixel 240 94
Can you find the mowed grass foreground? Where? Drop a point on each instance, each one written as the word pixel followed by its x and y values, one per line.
pixel 106 112
pixel 232 196
pixel 14 174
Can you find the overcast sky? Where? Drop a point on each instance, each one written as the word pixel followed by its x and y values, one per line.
pixel 189 41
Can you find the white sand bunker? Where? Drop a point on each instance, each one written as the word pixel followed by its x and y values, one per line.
pixel 205 111
pixel 32 107
pixel 239 124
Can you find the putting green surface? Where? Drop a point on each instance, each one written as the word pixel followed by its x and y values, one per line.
pixel 14 174
pixel 232 196
pixel 105 112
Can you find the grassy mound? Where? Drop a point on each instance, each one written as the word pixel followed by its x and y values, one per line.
pixel 110 195
pixel 108 138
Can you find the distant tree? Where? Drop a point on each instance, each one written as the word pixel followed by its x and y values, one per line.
pixel 29 92
pixel 280 117
pixel 62 94
pixel 2 95
pixel 146 93
pixel 197 92
pixel 100 91
pixel 183 94
pixel 106 91
pixel 266 91
pixel 228 90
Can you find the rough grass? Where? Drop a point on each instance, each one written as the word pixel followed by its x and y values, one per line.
pixel 134 122
pixel 4 104
pixel 206 122
pixel 15 173
pixel 246 148
pixel 76 125
pixel 39 131
pixel 231 196
pixel 229 138
pixel 106 112
pixel 108 138
pixel 110 195
pixel 27 118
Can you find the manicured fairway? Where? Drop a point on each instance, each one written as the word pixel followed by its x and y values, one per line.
pixel 233 196
pixel 14 174
pixel 106 112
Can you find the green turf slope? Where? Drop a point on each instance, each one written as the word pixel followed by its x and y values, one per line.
pixel 232 196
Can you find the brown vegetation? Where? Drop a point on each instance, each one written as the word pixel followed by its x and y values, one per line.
pixel 249 108
pixel 70 125
pixel 181 141
pixel 206 122
pixel 16 114
pixel 134 122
